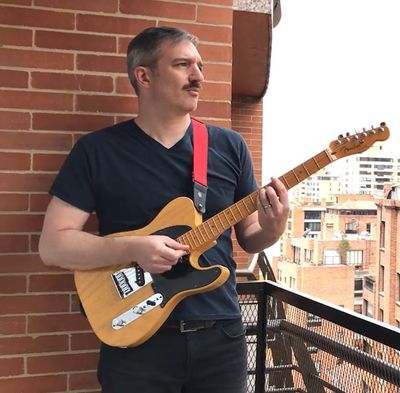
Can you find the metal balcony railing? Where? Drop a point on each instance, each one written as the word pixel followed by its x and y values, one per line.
pixel 297 343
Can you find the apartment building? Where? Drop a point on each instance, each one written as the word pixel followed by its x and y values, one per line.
pixel 381 292
pixel 366 173
pixel 328 249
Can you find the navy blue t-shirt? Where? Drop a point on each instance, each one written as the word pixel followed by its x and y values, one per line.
pixel 126 177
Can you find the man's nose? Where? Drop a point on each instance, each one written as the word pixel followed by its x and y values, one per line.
pixel 197 74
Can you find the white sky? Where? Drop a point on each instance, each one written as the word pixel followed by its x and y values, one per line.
pixel 335 68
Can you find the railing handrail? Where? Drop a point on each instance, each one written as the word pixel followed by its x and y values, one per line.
pixel 358 323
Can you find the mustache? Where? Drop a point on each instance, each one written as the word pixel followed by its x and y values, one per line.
pixel 192 85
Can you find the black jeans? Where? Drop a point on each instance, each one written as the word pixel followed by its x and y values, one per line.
pixel 211 360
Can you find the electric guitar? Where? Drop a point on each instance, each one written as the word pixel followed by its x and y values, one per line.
pixel 125 306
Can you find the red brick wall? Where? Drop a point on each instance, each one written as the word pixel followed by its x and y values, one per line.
pixel 247 119
pixel 62 73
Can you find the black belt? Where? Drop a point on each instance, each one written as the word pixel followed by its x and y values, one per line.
pixel 189 326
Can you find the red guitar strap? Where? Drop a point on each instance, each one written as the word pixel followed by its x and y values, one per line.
pixel 200 147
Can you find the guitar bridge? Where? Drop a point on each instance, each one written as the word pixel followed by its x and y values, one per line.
pixel 129 280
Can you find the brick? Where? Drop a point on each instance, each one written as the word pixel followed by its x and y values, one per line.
pixel 45 60
pixel 62 363
pixel 12 325
pixel 26 344
pixel 34 100
pixel 15 120
pixel 74 41
pixel 14 243
pixel 14 202
pixel 23 263
pixel 218 72
pixel 36 384
pixel 32 304
pixel 62 282
pixel 216 91
pixel 215 15
pixel 215 53
pixel 213 109
pixel 109 6
pixel 8 367
pixel 15 161
pixel 83 381
pixel 70 122
pixel 17 37
pixel 39 202
pixel 25 182
pixel 34 243
pixel 12 284
pixel 84 341
pixel 106 104
pixel 47 162
pixel 69 322
pixel 18 79
pixel 36 18
pixel 219 2
pixel 16 2
pixel 110 25
pixel 114 64
pixel 21 222
pixel 222 34
pixel 158 9
pixel 123 85
pixel 78 82
pixel 35 140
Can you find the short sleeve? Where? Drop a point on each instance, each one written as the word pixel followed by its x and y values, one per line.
pixel 74 183
pixel 247 181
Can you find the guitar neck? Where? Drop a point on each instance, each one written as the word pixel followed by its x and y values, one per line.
pixel 212 228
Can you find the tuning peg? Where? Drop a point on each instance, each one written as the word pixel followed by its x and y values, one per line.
pixel 340 136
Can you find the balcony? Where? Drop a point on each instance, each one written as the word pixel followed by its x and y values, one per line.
pixel 297 343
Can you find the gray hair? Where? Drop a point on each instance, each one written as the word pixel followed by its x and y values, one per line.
pixel 144 49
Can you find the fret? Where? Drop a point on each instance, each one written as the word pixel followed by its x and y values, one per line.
pixel 305 168
pixel 193 238
pixel 230 210
pixel 214 224
pixel 316 163
pixel 245 205
pixel 198 230
pixel 294 173
pixel 210 226
pixel 285 181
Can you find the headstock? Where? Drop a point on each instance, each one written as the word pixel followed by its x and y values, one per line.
pixel 359 142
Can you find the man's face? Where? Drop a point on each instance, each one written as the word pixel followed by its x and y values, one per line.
pixel 177 78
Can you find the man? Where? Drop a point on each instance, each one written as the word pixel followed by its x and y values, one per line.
pixel 126 174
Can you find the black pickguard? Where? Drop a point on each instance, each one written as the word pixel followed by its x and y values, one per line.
pixel 182 276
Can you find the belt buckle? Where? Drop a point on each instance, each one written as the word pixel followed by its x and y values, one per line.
pixel 184 329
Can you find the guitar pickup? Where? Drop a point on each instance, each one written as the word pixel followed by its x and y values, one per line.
pixel 129 280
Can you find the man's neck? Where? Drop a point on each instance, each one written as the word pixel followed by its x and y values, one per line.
pixel 165 130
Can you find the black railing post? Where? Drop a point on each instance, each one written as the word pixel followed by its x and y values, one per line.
pixel 261 340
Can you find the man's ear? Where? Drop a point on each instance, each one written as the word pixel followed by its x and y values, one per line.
pixel 142 76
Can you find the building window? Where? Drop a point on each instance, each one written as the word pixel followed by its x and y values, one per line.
pixel 331 257
pixel 351 227
pixel 312 215
pixel 354 257
pixel 312 226
pixel 292 283
pixel 368 309
pixel 381 278
pixel 279 274
pixel 398 287
pixel 382 235
pixel 381 314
